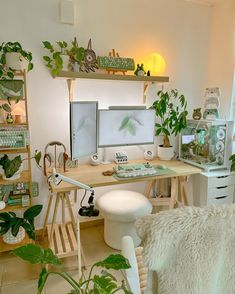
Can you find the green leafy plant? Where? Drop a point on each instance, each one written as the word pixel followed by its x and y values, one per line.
pixel 11 166
pixel 9 220
pixel 10 47
pixel 104 283
pixel 76 53
pixel 170 108
pixel 232 158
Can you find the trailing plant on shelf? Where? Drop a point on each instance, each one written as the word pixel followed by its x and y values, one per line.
pixel 64 57
pixel 104 282
pixel 10 223
pixel 12 166
pixel 232 158
pixel 171 110
pixel 6 70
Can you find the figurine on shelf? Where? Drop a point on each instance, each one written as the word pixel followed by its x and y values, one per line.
pixel 140 70
pixel 9 118
pixel 212 103
pixel 197 115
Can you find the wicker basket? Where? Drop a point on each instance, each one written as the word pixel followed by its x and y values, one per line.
pixel 10 239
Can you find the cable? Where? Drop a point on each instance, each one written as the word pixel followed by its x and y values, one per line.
pixel 83 199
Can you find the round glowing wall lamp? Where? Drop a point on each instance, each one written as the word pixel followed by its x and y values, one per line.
pixel 155 64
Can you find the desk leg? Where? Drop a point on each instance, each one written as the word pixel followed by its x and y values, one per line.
pixel 79 249
pixel 47 215
pixel 54 218
pixel 149 187
pixel 182 191
pixel 63 208
pixel 174 192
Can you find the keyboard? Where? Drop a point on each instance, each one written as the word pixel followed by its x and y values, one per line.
pixel 135 170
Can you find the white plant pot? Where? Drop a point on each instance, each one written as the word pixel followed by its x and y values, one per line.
pixel 165 153
pixel 65 59
pixel 16 176
pixel 8 238
pixel 16 61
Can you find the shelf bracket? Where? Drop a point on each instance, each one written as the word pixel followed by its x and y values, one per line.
pixel 146 88
pixel 70 83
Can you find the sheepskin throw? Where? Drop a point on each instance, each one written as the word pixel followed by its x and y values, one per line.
pixel 192 249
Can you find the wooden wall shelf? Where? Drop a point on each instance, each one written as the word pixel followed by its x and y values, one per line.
pixel 148 80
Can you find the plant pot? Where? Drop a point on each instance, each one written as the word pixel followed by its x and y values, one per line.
pixel 165 153
pixel 65 59
pixel 15 61
pixel 76 67
pixel 16 176
pixel 8 238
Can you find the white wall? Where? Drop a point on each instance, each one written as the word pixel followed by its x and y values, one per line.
pixel 221 62
pixel 175 28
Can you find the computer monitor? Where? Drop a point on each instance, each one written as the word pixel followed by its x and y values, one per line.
pixel 125 127
pixel 83 128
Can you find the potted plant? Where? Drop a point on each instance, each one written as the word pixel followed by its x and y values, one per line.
pixel 14 57
pixel 13 228
pixel 232 158
pixel 58 59
pixel 171 111
pixel 98 283
pixel 12 167
pixel 76 55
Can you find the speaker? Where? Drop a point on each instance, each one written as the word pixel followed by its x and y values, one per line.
pixel 148 155
pixel 94 159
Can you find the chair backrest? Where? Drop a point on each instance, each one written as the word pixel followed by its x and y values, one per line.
pixel 137 274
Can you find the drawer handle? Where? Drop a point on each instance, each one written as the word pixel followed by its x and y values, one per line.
pixel 221 187
pixel 222 177
pixel 221 197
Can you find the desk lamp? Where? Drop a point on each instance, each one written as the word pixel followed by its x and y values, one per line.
pixel 56 178
pixel 18 114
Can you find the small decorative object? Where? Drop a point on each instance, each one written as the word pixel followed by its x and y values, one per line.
pixel 212 103
pixel 102 282
pixel 89 62
pixel 232 158
pixel 2 205
pixel 9 118
pixel 140 70
pixel 197 115
pixel 13 228
pixel 13 57
pixel 18 114
pixel 148 73
pixel 170 108
pixel 114 63
pixel 25 200
pixel 155 64
pixel 76 55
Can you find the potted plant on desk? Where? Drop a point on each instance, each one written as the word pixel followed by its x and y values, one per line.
pixel 171 111
pixel 13 228
pixel 232 158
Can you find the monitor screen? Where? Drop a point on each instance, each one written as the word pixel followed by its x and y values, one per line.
pixel 125 127
pixel 83 128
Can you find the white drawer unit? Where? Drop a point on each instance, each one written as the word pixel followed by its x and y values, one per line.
pixel 215 187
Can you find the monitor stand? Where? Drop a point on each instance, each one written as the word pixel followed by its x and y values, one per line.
pixel 105 159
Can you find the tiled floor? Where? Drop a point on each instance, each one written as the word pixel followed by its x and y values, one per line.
pixel 19 277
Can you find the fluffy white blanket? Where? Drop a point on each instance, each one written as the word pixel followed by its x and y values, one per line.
pixel 192 249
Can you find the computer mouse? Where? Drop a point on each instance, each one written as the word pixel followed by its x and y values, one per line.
pixel 161 166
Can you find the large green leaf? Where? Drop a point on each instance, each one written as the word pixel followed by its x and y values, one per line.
pixel 232 157
pixel 38 156
pixel 31 252
pixel 5 216
pixel 114 261
pixel 16 226
pixel 42 280
pixel 50 258
pixel 104 284
pixel 10 166
pixel 32 212
pixel 29 230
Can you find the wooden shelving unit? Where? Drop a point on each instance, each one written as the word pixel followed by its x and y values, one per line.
pixel 148 80
pixel 26 175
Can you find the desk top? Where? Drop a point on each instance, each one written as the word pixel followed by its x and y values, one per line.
pixel 92 175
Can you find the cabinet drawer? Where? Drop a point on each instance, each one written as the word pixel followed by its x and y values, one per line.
pixel 221 200
pixel 220 191
pixel 221 181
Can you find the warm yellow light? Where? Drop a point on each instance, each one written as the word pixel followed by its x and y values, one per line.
pixel 155 63
pixel 18 111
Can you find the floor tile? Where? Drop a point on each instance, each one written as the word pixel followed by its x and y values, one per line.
pixel 90 235
pixel 20 288
pixel 16 270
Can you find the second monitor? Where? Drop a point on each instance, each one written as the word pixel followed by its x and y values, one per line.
pixel 125 127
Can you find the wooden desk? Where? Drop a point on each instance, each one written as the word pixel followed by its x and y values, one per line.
pixel 66 244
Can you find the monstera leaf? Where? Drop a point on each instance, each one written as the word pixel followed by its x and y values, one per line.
pixel 10 166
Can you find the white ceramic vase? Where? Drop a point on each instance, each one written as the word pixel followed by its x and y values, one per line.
pixel 15 61
pixel 8 238
pixel 165 153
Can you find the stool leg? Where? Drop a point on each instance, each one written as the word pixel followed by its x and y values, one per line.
pixel 54 217
pixel 174 192
pixel 182 191
pixel 47 215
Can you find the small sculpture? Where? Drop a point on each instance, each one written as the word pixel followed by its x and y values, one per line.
pixel 140 70
pixel 197 115
pixel 9 119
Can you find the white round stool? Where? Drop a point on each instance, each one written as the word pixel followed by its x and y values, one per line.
pixel 121 208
